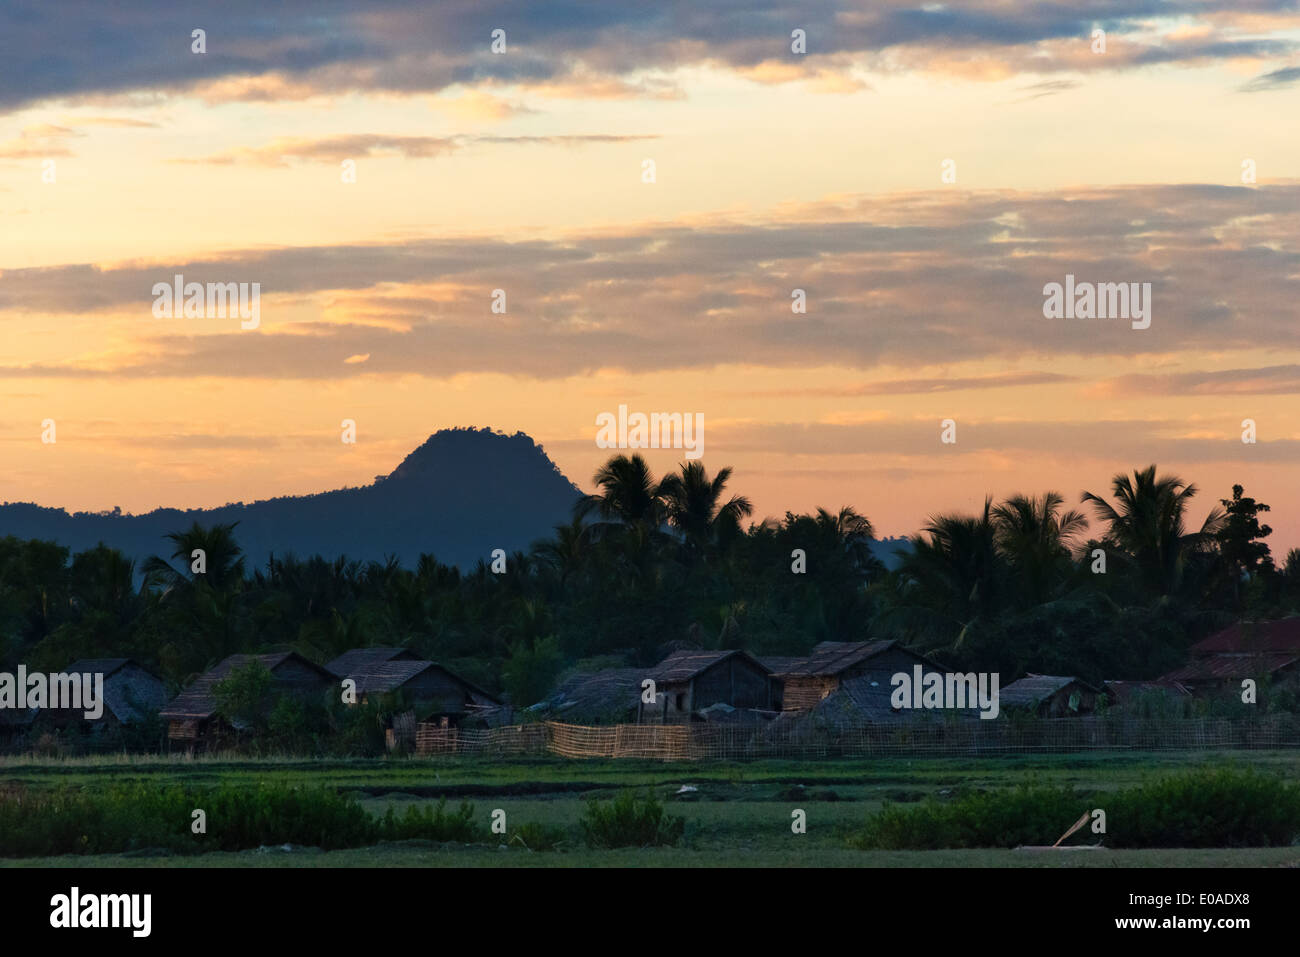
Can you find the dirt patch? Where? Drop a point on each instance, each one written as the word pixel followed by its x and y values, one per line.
pixel 798 792
pixel 516 789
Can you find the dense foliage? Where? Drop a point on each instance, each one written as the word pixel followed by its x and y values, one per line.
pixel 645 562
pixel 126 818
pixel 630 820
pixel 1203 808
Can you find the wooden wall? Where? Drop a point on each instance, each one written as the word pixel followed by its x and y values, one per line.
pixel 802 693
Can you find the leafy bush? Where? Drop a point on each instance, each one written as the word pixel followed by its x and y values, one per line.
pixel 431 823
pixel 357 729
pixel 250 817
pixel 243 696
pixel 629 821
pixel 296 724
pixel 127 818
pixel 1220 808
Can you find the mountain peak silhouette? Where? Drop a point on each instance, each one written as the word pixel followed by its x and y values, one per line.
pixel 481 449
pixel 459 495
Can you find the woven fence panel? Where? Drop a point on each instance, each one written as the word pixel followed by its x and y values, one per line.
pixel 803 739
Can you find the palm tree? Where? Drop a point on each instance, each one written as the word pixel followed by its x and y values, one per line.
pixel 203 607
pixel 693 505
pixel 628 493
pixel 409 605
pixel 1037 539
pixel 1147 525
pixel 952 581
pixel 854 533
pixel 222 558
pixel 103 581
pixel 565 552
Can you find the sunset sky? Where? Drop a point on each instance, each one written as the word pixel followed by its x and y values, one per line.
pixel 774 170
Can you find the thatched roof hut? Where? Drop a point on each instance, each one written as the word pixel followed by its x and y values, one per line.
pixel 689 681
pixel 436 691
pixel 780 664
pixel 1148 698
pixel 857 702
pixel 357 659
pixel 1049 696
pixel 190 714
pixel 131 692
pixel 810 680
pixel 608 696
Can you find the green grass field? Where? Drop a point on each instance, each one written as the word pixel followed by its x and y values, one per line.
pixel 740 814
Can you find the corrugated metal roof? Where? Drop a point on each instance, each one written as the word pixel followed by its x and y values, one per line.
pixel 1226 667
pixel 1253 637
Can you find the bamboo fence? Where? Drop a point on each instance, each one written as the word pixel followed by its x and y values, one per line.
pixel 803 739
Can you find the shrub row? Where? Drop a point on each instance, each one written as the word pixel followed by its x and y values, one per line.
pixel 138 817
pixel 1216 808
pixel 126 818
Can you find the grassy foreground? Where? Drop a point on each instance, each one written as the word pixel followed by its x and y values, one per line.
pixel 739 814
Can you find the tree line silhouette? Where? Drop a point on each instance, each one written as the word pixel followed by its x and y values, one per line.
pixel 646 564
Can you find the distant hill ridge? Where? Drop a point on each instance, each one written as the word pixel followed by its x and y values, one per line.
pixel 462 493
